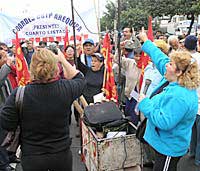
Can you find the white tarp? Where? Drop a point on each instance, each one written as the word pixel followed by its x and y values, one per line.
pixel 48 20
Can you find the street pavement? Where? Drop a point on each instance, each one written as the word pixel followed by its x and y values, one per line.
pixel 185 164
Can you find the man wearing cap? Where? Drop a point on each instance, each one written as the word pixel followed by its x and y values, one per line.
pixel 191 46
pixel 88 50
pixel 127 51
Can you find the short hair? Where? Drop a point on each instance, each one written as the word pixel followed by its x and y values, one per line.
pixel 172 37
pixel 44 65
pixel 130 28
pixel 43 42
pixel 68 47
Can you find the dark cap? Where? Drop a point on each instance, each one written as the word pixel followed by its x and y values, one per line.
pixel 88 41
pixel 190 42
pixel 98 56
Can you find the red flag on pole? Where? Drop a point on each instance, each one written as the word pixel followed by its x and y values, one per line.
pixel 23 76
pixel 109 86
pixel 66 38
pixel 144 60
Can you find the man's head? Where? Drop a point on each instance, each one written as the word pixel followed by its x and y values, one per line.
pixel 128 47
pixel 173 42
pixel 88 47
pixel 190 42
pixel 42 44
pixel 127 33
pixel 29 45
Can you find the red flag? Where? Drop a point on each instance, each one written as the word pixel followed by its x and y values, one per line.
pixel 23 76
pixel 144 59
pixel 109 86
pixel 66 38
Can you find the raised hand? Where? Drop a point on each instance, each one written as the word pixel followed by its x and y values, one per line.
pixel 143 36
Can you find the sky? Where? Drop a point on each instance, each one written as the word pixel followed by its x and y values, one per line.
pixel 18 7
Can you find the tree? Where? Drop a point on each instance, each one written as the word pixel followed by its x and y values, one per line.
pixel 135 12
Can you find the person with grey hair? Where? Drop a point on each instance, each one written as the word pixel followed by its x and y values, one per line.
pixel 173 43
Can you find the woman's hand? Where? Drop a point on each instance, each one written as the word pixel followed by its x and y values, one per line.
pixel 142 96
pixel 143 36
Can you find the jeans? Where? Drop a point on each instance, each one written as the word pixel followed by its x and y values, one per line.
pixel 130 110
pixel 195 141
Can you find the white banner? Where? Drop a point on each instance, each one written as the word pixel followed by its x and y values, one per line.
pixel 48 24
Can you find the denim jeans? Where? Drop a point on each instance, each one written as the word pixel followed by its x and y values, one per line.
pixel 195 141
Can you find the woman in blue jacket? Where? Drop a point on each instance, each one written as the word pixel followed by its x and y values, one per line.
pixel 171 113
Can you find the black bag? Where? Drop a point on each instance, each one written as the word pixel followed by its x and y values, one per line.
pixel 141 130
pixel 11 141
pixel 98 115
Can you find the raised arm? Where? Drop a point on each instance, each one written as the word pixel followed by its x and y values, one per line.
pixel 156 55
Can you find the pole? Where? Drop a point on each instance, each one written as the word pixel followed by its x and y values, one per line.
pixel 74 34
pixel 118 47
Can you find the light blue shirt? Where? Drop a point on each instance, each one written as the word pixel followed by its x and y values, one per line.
pixel 152 74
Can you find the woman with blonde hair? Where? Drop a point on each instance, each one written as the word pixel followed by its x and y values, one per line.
pixel 170 112
pixel 44 120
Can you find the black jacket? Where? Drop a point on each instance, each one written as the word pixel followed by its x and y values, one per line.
pixel 45 115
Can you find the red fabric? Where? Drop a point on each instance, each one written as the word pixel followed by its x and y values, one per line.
pixel 12 76
pixel 51 39
pixel 44 39
pixel 109 86
pixel 58 38
pixel 23 76
pixel 37 39
pixel 144 60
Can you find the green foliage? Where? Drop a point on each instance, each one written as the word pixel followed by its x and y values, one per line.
pixel 135 12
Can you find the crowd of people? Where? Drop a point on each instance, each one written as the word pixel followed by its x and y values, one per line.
pixel 57 79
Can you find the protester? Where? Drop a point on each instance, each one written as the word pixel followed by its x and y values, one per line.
pixel 88 50
pixel 28 51
pixel 191 46
pixel 173 43
pixel 44 122
pixel 151 73
pixel 93 76
pixel 171 113
pixel 42 44
pixel 128 34
pixel 132 74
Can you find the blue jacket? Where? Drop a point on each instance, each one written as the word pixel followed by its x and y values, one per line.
pixel 170 114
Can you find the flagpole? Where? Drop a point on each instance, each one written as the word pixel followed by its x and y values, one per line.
pixel 74 34
pixel 119 50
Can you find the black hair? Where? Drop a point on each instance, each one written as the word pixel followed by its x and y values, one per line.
pixel 130 28
pixel 43 42
pixel 68 47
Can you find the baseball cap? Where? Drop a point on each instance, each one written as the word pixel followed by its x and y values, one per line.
pixel 98 56
pixel 190 42
pixel 88 41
